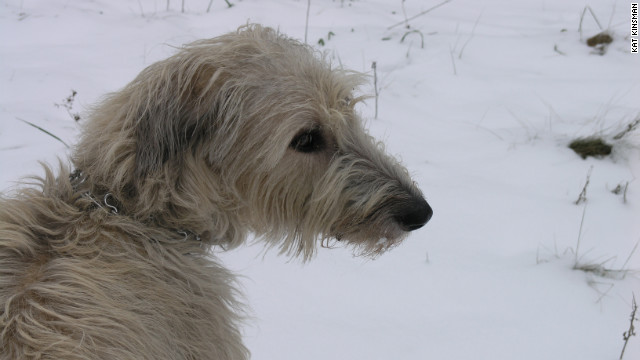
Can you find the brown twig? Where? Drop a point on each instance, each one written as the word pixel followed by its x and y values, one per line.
pixel 406 21
pixel 583 194
pixel 632 330
pixel 375 86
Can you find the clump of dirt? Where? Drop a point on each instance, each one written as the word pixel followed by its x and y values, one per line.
pixel 603 38
pixel 591 146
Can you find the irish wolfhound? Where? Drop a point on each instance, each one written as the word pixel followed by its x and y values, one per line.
pixel 250 132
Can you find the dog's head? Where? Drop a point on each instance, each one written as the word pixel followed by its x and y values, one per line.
pixel 255 131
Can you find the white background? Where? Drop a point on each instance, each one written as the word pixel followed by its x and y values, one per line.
pixel 481 116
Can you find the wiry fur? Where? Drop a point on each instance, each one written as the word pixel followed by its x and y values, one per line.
pixel 196 151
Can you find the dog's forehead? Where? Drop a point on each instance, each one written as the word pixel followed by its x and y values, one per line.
pixel 317 90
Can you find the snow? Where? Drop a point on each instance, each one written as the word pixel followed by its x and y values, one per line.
pixel 481 116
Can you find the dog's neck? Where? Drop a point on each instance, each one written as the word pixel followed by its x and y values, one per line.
pixel 109 203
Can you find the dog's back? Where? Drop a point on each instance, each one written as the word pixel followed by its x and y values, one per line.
pixel 78 281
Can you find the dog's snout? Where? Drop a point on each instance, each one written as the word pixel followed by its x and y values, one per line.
pixel 414 215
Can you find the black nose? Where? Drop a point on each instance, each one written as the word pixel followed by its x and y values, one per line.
pixel 414 214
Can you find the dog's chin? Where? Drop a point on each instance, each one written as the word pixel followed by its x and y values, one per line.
pixel 375 240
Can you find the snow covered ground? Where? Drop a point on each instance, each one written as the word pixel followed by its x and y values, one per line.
pixel 481 115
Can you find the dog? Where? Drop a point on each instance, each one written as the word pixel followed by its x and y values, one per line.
pixel 252 133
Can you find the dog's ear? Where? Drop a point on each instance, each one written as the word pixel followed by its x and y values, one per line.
pixel 178 112
pixel 155 140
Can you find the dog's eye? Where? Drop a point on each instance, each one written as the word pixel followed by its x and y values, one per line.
pixel 308 141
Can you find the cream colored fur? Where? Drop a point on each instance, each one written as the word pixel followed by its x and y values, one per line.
pixel 199 150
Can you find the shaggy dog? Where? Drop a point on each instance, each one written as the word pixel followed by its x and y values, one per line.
pixel 249 132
